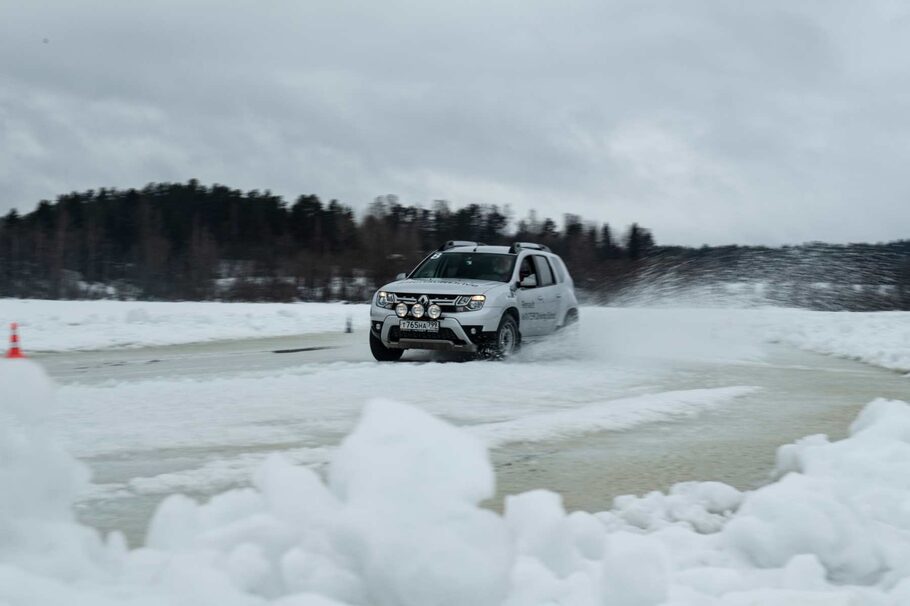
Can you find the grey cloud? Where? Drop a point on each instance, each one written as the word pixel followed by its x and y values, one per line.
pixel 708 121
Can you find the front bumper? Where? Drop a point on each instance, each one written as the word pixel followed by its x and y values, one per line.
pixel 452 335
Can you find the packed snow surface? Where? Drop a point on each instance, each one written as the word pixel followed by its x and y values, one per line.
pixel 205 433
pixel 397 518
pixel 76 325
pixel 397 521
pixel 879 338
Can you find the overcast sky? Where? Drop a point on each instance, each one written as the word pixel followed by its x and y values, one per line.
pixel 710 122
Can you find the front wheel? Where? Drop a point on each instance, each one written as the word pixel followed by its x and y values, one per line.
pixel 505 342
pixel 383 353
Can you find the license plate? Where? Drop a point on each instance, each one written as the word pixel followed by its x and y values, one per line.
pixel 421 326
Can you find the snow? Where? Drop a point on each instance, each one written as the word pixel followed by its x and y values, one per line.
pixel 391 514
pixel 79 325
pixel 299 409
pixel 208 434
pixel 613 415
pixel 219 474
pixel 878 338
pixel 398 521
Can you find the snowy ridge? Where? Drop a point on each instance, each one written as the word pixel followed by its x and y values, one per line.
pixel 217 474
pixel 611 415
pixel 398 523
pixel 318 400
pixel 82 325
pixel 878 338
pixel 623 413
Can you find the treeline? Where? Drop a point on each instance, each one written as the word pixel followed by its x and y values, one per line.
pixel 186 241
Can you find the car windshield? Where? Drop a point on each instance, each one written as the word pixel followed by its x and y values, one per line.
pixel 467 266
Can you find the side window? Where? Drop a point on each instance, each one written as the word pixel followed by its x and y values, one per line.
pixel 544 273
pixel 559 271
pixel 527 269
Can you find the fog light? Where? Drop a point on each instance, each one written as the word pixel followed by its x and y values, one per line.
pixel 401 309
pixel 417 310
pixel 434 311
pixel 473 331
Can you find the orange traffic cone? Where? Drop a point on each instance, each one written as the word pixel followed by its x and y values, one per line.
pixel 14 351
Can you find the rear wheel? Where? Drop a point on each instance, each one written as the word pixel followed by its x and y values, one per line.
pixel 571 318
pixel 383 353
pixel 569 331
pixel 506 340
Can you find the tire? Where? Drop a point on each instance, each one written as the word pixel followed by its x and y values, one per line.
pixel 506 341
pixel 383 353
pixel 571 318
pixel 570 328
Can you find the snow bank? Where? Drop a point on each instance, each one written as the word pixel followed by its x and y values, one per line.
pixel 72 325
pixel 700 334
pixel 40 544
pixel 398 522
pixel 877 338
pixel 153 422
pixel 612 415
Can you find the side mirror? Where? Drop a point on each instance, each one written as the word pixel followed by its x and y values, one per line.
pixel 401 276
pixel 529 282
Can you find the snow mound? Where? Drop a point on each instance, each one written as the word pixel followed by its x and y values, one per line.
pixel 876 338
pixel 398 521
pixel 38 484
pixel 83 325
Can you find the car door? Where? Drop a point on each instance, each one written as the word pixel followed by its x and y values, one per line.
pixel 528 303
pixel 564 299
pixel 547 295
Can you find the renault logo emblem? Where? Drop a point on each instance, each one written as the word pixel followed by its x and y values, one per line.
pixel 424 300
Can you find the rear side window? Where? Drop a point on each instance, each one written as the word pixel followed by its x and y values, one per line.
pixel 544 273
pixel 559 271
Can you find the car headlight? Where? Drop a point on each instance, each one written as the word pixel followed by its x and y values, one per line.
pixel 434 311
pixel 401 310
pixel 470 302
pixel 386 299
pixel 417 310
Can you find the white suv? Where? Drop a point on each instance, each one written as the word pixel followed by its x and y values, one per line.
pixel 474 298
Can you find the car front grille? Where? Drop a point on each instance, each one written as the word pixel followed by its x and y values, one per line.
pixel 440 300
pixel 445 302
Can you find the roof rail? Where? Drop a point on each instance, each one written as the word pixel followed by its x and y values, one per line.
pixel 454 243
pixel 529 246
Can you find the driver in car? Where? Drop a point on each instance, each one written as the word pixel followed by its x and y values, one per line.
pixel 527 269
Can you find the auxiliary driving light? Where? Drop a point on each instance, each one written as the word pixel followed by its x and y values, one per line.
pixel 417 310
pixel 401 309
pixel 434 311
